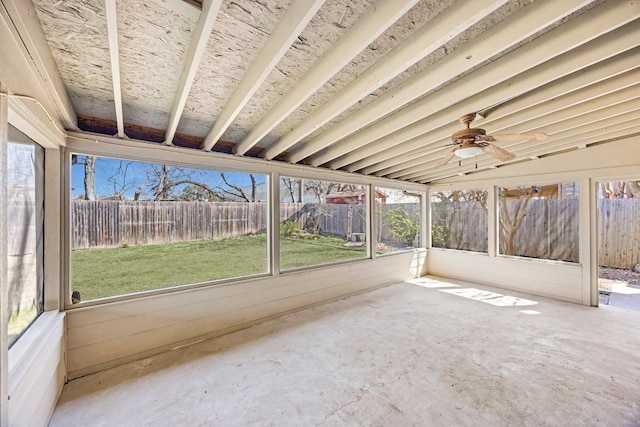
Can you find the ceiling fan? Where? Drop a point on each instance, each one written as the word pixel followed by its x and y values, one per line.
pixel 470 142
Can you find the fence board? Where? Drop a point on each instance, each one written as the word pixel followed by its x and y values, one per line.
pixel 550 228
pixel 107 223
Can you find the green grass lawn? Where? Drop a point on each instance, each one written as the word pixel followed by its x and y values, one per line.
pixel 99 273
pixel 18 322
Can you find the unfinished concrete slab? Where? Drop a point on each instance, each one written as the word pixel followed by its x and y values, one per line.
pixel 430 352
pixel 625 296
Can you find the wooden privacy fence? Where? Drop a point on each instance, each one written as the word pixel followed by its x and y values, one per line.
pixel 106 223
pixel 619 226
pixel 549 229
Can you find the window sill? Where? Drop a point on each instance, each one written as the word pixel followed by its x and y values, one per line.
pixel 399 252
pixel 26 349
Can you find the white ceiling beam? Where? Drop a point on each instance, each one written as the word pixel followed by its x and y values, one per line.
pixel 559 65
pixel 433 142
pixel 519 26
pixel 582 85
pixel 542 49
pixel 381 16
pixel 614 127
pixel 614 132
pixel 199 39
pixel 187 8
pixel 554 124
pixel 589 133
pixel 291 25
pixel 112 31
pixel 430 37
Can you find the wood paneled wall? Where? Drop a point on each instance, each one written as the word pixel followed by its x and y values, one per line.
pixel 37 371
pixel 103 336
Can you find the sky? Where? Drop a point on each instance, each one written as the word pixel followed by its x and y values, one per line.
pixel 115 176
pixel 125 177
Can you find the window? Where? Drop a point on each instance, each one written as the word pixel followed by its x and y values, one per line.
pixel 321 222
pixel 141 226
pixel 459 220
pixel 25 181
pixel 397 220
pixel 539 221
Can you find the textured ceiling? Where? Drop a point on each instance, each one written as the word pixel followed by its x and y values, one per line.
pixel 371 87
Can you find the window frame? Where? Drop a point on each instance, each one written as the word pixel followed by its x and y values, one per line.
pixel 136 150
pixel 490 189
pixel 540 183
pixel 40 204
pixel 422 215
pixel 67 291
pixel 368 227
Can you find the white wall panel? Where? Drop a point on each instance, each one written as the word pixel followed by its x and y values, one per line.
pixel 37 371
pixel 576 283
pixel 558 280
pixel 111 334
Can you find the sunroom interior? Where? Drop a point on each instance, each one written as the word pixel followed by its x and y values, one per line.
pixel 176 171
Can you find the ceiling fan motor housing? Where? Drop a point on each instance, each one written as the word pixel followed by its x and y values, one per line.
pixel 469 134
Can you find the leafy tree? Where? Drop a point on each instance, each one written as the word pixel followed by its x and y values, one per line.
pixel 197 192
pixel 402 224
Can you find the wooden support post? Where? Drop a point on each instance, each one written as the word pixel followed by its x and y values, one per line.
pixel 274 223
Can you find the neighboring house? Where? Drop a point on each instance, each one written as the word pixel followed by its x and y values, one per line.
pixel 354 197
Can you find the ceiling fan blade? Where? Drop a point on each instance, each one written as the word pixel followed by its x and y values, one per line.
pixel 536 136
pixel 498 152
pixel 443 161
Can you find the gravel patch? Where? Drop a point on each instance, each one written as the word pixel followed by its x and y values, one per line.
pixel 620 275
pixel 607 276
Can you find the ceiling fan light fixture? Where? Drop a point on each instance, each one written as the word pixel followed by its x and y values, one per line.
pixel 467 152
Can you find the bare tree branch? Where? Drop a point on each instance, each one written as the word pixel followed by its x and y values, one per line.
pixel 237 191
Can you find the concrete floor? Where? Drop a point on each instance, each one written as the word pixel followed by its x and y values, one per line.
pixel 433 352
pixel 621 294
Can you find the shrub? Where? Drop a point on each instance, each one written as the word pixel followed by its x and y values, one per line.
pixel 402 224
pixel 287 228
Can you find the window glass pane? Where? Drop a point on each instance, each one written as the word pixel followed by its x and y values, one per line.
pixel 459 220
pixel 619 232
pixel 140 226
pixel 321 222
pixel 25 178
pixel 539 221
pixel 397 220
